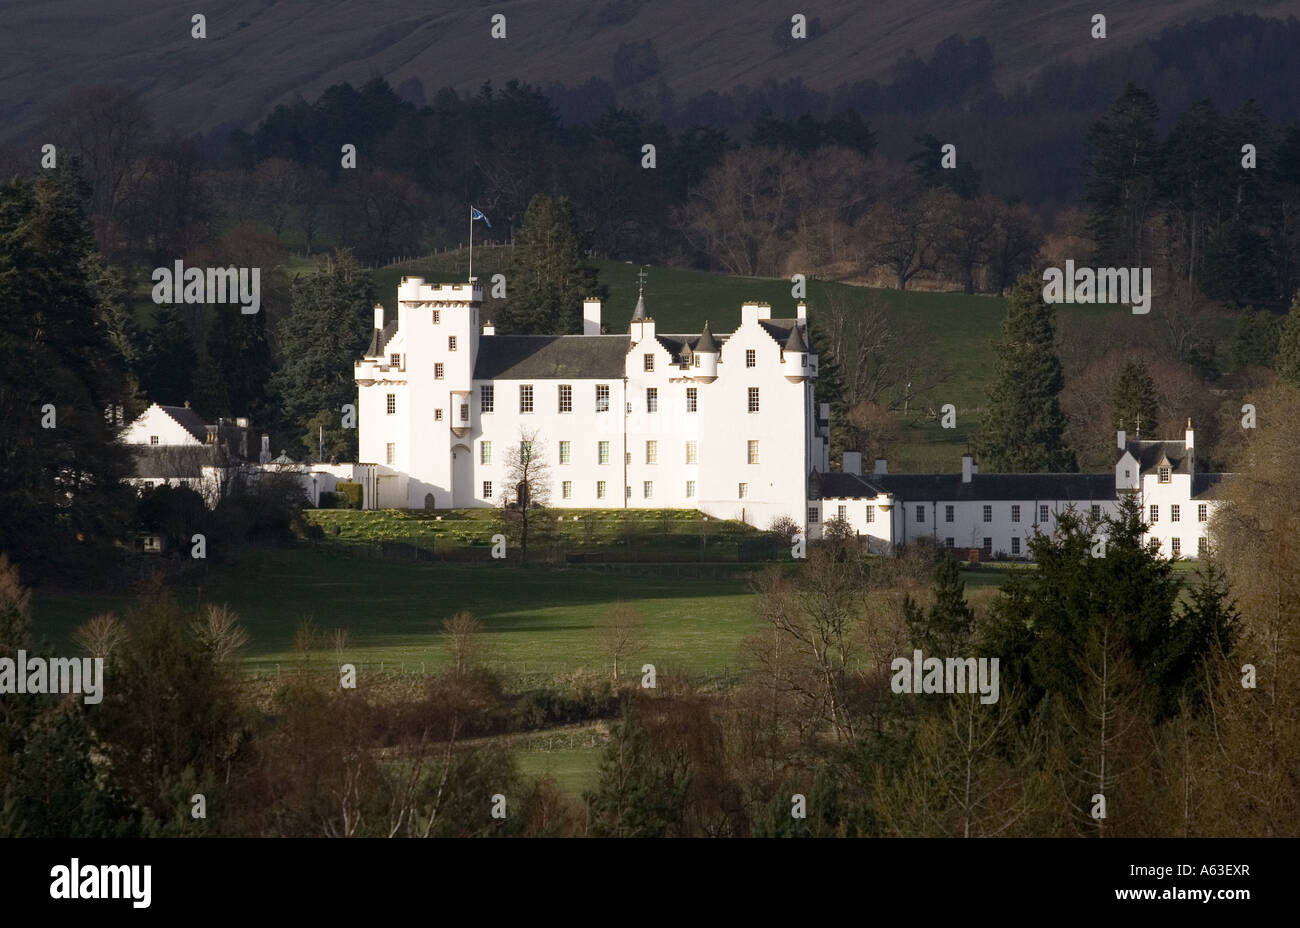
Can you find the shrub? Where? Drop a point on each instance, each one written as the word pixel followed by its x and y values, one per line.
pixel 351 492
pixel 328 501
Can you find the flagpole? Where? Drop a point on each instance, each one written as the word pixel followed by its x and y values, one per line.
pixel 471 244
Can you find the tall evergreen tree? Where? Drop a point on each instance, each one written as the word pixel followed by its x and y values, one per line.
pixel 170 361
pixel 946 627
pixel 548 279
pixel 329 322
pixel 635 795
pixel 60 469
pixel 1133 401
pixel 1124 165
pixel 1024 428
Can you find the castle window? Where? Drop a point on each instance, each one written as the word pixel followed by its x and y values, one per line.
pixel 566 489
pixel 487 489
pixel 751 357
pixel 485 452
pixel 948 542
pixel 395 360
pixel 1155 514
pixel 690 489
pixel 525 452
pixel 947 513
pixel 390 453
pixel 486 398
pixel 566 397
pixel 1173 513
pixel 1096 513
pixel 648 489
pixel 812 515
pixel 652 452
pixel 692 450
pixel 1202 546
pixel 988 546
pixel 803 360
pixel 691 399
pixel 841 512
pixel 437 371
pixel 742 491
pixel 602 453
pixel 602 397
pixel 1015 514
pixel 1164 473
pixel 1202 512
pixel 871 513
pixel 437 316
pixel 649 362
pixel 525 397
pixel 753 451
pixel 153 439
pixel 391 403
pixel 437 415
pixel 753 399
pixel 564 452
pixel 920 513
pixel 451 342
pixel 600 489
pixel 1015 546
pixel 1044 512
pixel 1175 546
pixel 464 412
pixel 988 513
pixel 652 400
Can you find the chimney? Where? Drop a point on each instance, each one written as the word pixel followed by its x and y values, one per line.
pixel 1189 439
pixel 1121 439
pixel 882 466
pixel 489 328
pixel 591 316
pixel 748 313
pixel 801 312
pixel 968 468
pixel 852 463
pixel 379 315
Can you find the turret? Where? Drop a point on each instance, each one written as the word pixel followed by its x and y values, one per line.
pixel 706 357
pixel 794 357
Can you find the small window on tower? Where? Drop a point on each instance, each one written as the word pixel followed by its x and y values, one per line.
pixel 153 440
pixel 395 360
pixel 751 357
pixel 451 342
pixel 437 317
pixel 437 415
pixel 391 403
pixel 649 361
pixel 437 371
pixel 692 399
pixel 390 453
pixel 464 412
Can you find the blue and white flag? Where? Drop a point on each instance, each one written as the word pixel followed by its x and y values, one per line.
pixel 475 215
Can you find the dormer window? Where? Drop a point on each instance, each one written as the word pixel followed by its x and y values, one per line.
pixel 1164 473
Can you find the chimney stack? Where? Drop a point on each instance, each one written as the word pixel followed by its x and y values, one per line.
pixel 1121 439
pixel 882 466
pixel 852 463
pixel 968 468
pixel 379 315
pixel 591 316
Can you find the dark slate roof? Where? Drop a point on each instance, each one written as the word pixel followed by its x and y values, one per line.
pixel 379 339
pixel 706 342
pixel 679 346
pixel 795 342
pixel 172 461
pixel 1149 453
pixel 949 487
pixel 541 357
pixel 779 329
pixel 188 419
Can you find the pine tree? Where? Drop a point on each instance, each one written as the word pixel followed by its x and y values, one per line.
pixel 946 627
pixel 548 278
pixel 1133 401
pixel 1288 346
pixel 1124 164
pixel 1024 429
pixel 633 798
pixel 327 327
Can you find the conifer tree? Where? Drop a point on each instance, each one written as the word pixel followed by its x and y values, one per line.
pixel 548 279
pixel 1133 402
pixel 946 627
pixel 1288 346
pixel 1024 428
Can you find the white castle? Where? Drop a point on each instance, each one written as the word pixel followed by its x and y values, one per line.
pixel 725 424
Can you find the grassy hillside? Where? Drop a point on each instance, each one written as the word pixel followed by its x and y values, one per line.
pixel 260 54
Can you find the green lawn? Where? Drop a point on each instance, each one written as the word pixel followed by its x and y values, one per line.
pixel 535 619
pixel 574 770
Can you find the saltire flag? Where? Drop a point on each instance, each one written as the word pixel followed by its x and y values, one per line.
pixel 475 215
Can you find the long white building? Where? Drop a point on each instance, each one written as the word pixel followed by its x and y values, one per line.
pixel 723 423
pixel 997 514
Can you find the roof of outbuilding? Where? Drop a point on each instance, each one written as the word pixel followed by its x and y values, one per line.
pixel 188 419
pixel 172 461
pixel 949 487
pixel 1149 454
pixel 541 357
